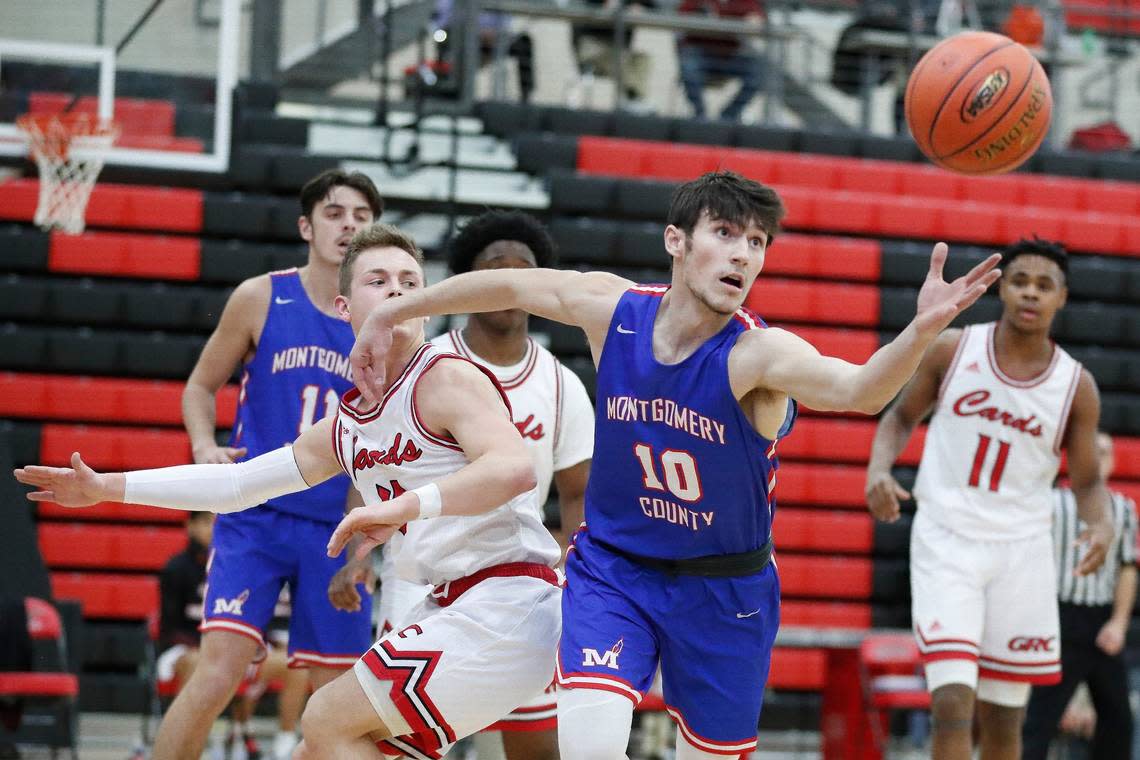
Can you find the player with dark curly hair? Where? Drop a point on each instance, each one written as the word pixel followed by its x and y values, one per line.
pixel 552 412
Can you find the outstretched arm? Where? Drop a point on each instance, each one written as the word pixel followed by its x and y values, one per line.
pixel 196 487
pixel 898 423
pixel 584 300
pixel 784 362
pixel 455 399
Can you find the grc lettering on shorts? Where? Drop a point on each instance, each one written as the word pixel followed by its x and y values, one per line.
pixel 1031 643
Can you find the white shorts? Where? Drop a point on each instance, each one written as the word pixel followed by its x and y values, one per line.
pixel 460 668
pixel 984 611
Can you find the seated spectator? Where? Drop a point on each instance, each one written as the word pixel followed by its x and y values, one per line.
pixel 181 587
pixel 594 49
pixel 491 25
pixel 700 55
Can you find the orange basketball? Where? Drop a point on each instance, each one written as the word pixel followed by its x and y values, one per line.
pixel 978 103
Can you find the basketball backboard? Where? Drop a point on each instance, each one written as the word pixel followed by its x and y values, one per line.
pixel 169 87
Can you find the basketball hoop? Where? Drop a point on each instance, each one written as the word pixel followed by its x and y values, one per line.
pixel 69 149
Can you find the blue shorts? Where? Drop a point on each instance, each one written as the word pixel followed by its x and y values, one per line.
pixel 712 637
pixel 253 554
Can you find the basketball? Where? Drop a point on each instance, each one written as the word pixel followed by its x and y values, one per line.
pixel 978 103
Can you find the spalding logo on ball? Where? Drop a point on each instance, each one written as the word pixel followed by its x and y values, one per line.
pixel 978 103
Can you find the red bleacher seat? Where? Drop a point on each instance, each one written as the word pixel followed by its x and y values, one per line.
pixel 825 614
pixel 678 162
pixel 824 577
pixel 116 254
pixel 102 399
pixel 842 211
pixel 871 176
pixel 828 303
pixel 616 158
pixel 108 595
pixel 108 511
pixel 1005 190
pixel 822 530
pixel 754 164
pixel 823 485
pixel 1091 232
pixel 805 170
pixel 135 116
pixel 911 217
pixel 1027 222
pixel 800 205
pixel 798 669
pixel 108 547
pixel 823 257
pixel 922 181
pixel 1108 197
pixel 114 448
pixel 851 345
pixel 111 205
pixel 825 439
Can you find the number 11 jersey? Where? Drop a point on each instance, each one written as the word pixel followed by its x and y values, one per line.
pixel 993 447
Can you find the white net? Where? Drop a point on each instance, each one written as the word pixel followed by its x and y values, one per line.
pixel 69 150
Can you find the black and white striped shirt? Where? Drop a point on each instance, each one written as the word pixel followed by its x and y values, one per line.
pixel 1098 588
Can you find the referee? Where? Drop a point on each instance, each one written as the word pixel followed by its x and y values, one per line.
pixel 1095 611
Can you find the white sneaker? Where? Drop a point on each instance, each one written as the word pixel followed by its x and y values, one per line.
pixel 283 745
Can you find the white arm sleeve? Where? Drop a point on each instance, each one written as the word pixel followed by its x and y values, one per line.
pixel 217 487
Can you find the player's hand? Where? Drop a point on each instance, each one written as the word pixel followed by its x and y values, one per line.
pixel 883 493
pixel 374 523
pixel 75 486
pixel 214 454
pixel 1110 638
pixel 940 301
pixel 343 592
pixel 1095 539
pixel 367 357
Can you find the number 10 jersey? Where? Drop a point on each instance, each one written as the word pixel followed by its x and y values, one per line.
pixel 993 447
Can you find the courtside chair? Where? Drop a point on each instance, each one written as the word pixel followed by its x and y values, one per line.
pixel 56 686
pixel 890 672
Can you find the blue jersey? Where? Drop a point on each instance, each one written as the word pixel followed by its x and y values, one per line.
pixel 295 378
pixel 687 474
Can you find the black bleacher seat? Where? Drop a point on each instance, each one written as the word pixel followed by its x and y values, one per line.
pixel 1120 413
pixel 251 166
pixel 1098 278
pixel 641 245
pixel 292 168
pixel 565 340
pixel 25 249
pixel 892 538
pixel 536 152
pixel 160 354
pixel 85 302
pixel 1109 367
pixel 23 298
pixel 582 239
pixel 503 118
pixel 574 121
pixel 1118 166
pixel 583 367
pixel 583 194
pixel 237 215
pixel 1071 163
pixel 831 142
pixel 768 137
pixel 268 127
pixel 644 199
pixel 888 148
pixel 644 126
pixel 82 350
pixel 232 261
pixel 22 348
pixel 890 580
pixel 208 307
pixel 159 306
pixel 1091 323
pixel 194 120
pixel 706 132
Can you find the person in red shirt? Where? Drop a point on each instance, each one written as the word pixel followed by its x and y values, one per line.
pixel 700 55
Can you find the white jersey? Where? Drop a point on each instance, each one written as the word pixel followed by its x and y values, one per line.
pixel 993 447
pixel 550 406
pixel 387 451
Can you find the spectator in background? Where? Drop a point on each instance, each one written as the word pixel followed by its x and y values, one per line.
pixel 594 49
pixel 701 55
pixel 1095 612
pixel 491 25
pixel 181 587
